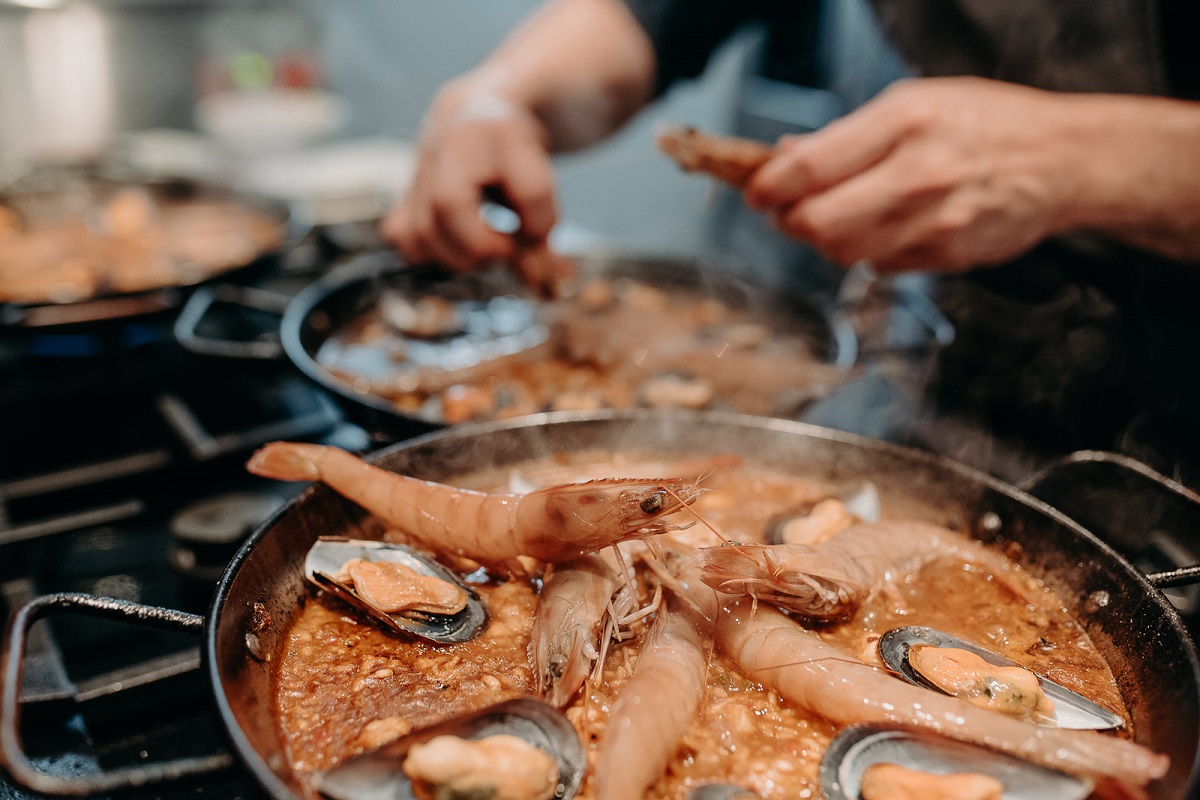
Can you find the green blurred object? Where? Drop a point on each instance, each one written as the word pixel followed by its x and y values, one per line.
pixel 250 69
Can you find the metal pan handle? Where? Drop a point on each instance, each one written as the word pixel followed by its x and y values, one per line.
pixel 15 635
pixel 1124 502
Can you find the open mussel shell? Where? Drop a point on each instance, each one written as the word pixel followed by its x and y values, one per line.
pixel 327 556
pixel 856 748
pixel 379 775
pixel 1071 709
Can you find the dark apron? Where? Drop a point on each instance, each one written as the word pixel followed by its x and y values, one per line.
pixel 1078 343
pixel 1062 45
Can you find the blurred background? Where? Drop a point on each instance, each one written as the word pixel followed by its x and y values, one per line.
pixel 250 89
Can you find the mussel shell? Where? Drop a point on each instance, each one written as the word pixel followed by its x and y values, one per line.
pixel 1071 709
pixel 860 499
pixel 378 775
pixel 327 556
pixel 858 747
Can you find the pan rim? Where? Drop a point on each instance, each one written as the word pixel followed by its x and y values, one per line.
pixel 842 341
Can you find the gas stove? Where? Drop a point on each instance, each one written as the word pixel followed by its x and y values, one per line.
pixel 121 476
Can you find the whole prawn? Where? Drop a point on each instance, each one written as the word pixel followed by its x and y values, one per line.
pixel 656 706
pixel 774 649
pixel 829 580
pixel 556 523
pixel 567 635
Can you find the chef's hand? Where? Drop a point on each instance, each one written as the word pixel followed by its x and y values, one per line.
pixel 473 139
pixel 941 173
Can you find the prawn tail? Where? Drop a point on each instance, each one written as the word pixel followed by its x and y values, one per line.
pixel 287 461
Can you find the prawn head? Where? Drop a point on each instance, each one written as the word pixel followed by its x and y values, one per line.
pixel 595 514
pixel 788 576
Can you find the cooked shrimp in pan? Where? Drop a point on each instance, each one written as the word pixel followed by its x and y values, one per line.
pixel 774 649
pixel 566 639
pixel 556 523
pixel 701 688
pixel 832 579
pixel 656 707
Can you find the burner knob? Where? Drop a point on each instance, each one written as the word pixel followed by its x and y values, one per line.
pixel 206 534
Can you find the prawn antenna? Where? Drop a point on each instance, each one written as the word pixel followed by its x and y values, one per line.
pixel 695 513
pixel 852 662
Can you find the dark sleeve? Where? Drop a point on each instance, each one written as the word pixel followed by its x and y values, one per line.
pixel 1180 32
pixel 686 32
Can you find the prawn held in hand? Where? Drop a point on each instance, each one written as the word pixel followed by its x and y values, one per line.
pixel 555 523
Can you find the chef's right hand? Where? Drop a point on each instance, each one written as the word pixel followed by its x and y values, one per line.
pixel 474 138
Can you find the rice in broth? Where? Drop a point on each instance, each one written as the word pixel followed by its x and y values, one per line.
pixel 345 686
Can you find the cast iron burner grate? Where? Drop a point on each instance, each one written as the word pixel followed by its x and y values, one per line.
pixel 121 475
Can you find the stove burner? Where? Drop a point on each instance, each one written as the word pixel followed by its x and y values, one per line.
pixel 206 534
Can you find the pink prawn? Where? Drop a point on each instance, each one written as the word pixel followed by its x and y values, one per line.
pixel 556 523
pixel 831 579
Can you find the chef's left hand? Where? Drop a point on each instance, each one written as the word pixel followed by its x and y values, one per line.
pixel 936 173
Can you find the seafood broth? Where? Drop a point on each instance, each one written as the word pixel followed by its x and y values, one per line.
pixel 344 687
pixel 476 348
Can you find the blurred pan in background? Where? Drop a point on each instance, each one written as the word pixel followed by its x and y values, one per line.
pixel 411 349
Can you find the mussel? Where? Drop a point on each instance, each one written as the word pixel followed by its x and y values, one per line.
pixel 325 562
pixel 859 747
pixel 380 774
pixel 1071 710
pixel 819 519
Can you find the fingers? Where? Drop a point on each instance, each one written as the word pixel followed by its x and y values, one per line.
pixel 869 214
pixel 528 183
pixel 934 174
pixel 839 151
pixel 439 220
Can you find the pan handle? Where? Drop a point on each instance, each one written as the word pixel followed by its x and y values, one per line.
pixel 263 347
pixel 1125 503
pixel 15 636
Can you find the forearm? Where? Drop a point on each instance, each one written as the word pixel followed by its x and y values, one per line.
pixel 582 67
pixel 1135 163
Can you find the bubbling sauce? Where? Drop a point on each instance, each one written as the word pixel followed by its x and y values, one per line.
pixel 345 686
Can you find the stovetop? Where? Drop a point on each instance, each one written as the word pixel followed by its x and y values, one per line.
pixel 121 476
